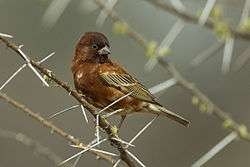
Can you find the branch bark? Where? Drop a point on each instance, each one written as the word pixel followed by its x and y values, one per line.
pixel 188 17
pixel 50 125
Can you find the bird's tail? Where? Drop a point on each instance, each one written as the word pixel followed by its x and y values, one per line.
pixel 156 109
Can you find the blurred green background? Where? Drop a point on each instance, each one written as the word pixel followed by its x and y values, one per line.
pixel 164 143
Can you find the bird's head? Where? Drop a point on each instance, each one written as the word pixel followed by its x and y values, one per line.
pixel 93 46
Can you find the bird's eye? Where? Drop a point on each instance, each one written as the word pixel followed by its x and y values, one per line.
pixel 94 46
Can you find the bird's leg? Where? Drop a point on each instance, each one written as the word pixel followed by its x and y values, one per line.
pixel 121 121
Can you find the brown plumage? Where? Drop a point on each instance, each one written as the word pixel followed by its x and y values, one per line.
pixel 103 81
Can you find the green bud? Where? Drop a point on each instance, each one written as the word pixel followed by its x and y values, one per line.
pixel 227 123
pixel 195 100
pixel 120 27
pixel 203 107
pixel 151 49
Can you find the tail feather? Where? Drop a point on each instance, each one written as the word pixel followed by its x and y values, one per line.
pixel 173 116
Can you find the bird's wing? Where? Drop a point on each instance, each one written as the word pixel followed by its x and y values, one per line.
pixel 126 84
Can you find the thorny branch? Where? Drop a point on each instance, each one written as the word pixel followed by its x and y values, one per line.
pixel 50 125
pixel 188 17
pixel 110 130
pixel 212 108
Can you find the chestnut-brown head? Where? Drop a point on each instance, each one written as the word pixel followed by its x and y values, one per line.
pixel 93 45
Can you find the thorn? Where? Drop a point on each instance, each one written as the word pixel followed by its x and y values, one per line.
pixel 97 128
pixel 116 101
pixel 105 152
pixel 172 34
pixel 245 12
pixel 206 11
pixel 84 113
pixel 87 5
pixel 20 46
pixel 217 148
pixel 77 160
pixel 63 111
pixel 135 158
pixel 163 86
pixel 96 150
pixel 117 163
pixel 151 63
pixel 227 56
pixel 109 5
pixel 6 35
pixel 21 68
pixel 207 53
pixel 54 12
pixel 13 75
pixel 47 57
pixel 166 42
pixel 177 4
pixel 122 141
pixel 242 59
pixel 81 152
pixel 31 67
pixel 142 130
pixel 112 113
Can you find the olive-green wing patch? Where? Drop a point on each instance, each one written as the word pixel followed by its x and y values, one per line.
pixel 127 84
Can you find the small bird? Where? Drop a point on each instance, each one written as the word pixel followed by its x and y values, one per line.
pixel 102 81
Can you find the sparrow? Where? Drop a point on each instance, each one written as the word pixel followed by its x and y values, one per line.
pixel 102 81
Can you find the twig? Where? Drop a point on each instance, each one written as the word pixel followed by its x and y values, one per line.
pixel 104 124
pixel 182 81
pixel 194 19
pixel 49 125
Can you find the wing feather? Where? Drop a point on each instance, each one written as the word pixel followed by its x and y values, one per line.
pixel 126 84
